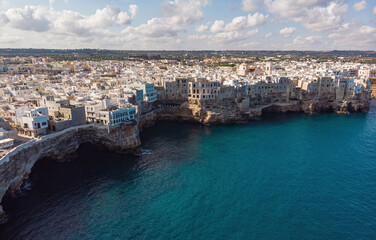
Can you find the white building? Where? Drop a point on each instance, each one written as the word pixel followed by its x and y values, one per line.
pixel 35 118
pixel 123 115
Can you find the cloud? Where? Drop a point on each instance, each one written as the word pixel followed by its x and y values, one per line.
pixel 9 39
pixel 177 15
pixel 251 5
pixel 111 15
pixel 240 23
pixel 354 35
pixel 374 10
pixel 309 42
pixel 328 18
pixel 292 8
pixel 30 18
pixel 314 15
pixel 287 31
pixel 268 35
pixel 5 3
pixel 197 37
pixel 154 28
pixel 3 19
pixel 218 26
pixel 202 28
pixel 43 19
pixel 232 37
pixel 184 12
pixel 359 6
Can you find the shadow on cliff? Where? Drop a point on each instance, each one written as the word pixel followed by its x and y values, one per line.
pixel 51 181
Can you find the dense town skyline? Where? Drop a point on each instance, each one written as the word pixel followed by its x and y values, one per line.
pixel 189 24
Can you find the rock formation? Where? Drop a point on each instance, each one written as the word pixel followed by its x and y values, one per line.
pixel 16 166
pixel 231 112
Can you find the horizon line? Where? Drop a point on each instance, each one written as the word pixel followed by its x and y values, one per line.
pixel 202 50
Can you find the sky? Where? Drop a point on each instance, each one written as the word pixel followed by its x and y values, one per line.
pixel 189 24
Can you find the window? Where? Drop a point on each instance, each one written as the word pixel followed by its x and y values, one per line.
pixel 44 123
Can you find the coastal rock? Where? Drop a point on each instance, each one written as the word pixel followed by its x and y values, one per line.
pixel 16 166
pixel 230 112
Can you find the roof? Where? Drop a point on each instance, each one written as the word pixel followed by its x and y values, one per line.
pixel 7 140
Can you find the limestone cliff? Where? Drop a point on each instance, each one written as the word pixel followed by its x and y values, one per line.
pixel 230 112
pixel 16 166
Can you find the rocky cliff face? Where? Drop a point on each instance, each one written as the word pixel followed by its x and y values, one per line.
pixel 233 113
pixel 16 166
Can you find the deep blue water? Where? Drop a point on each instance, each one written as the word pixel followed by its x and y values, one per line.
pixel 284 177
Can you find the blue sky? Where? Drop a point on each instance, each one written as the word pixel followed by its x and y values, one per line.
pixel 189 24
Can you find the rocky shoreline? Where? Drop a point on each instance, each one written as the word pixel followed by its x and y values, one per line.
pixel 16 166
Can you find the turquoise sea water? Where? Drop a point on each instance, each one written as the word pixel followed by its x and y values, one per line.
pixel 284 177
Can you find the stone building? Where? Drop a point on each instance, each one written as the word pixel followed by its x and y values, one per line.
pixel 203 90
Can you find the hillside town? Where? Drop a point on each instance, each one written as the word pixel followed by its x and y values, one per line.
pixel 40 96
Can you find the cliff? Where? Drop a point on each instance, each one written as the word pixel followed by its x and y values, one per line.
pixel 16 166
pixel 231 112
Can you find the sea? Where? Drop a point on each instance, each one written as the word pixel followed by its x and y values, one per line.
pixel 286 176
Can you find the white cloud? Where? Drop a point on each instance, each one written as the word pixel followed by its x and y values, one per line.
pixel 184 12
pixel 324 18
pixel 5 3
pixel 177 14
pixel 268 35
pixel 51 2
pixel 31 18
pixel 218 26
pixel 9 39
pixel 309 42
pixel 287 31
pixel 355 36
pixel 314 15
pixel 163 32
pixel 3 19
pixel 367 30
pixel 111 15
pixel 374 10
pixel 251 5
pixel 239 23
pixel 63 29
pixel 232 37
pixel 154 28
pixel 202 28
pixel 197 37
pixel 359 6
pixel 292 8
pixel 42 19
